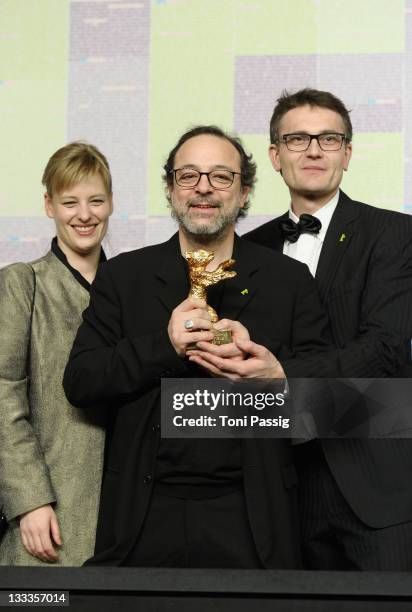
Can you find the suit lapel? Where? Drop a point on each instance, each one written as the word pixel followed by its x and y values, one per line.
pixel 277 234
pixel 239 291
pixel 172 275
pixel 274 238
pixel 340 232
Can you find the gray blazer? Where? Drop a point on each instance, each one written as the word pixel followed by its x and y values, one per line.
pixel 50 452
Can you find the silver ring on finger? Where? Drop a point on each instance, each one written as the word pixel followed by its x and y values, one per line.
pixel 189 324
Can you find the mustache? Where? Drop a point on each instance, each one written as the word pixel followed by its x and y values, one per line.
pixel 199 200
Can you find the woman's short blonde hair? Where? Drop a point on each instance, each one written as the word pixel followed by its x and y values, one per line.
pixel 72 164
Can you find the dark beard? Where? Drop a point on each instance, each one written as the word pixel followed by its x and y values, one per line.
pixel 204 234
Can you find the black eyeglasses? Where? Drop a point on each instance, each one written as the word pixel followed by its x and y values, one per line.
pixel 330 141
pixel 218 179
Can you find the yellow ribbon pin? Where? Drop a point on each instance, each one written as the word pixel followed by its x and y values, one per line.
pixel 342 237
pixel 244 291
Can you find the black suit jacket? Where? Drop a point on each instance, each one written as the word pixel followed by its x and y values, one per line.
pixel 365 282
pixel 122 350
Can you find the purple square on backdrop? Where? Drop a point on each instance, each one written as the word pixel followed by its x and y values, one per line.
pixel 108 29
pixel 260 80
pixel 370 85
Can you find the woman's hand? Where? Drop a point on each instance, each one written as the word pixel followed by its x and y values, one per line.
pixel 40 532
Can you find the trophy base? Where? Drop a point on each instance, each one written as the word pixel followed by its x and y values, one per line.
pixel 222 336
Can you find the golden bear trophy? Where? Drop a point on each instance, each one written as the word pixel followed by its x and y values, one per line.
pixel 201 279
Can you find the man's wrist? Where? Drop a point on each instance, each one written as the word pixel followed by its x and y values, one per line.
pixel 279 371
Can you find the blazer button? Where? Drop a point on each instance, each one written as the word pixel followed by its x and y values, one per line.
pixel 147 479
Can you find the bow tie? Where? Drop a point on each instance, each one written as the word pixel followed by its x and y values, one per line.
pixel 308 224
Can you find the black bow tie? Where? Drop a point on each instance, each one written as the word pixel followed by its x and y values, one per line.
pixel 308 224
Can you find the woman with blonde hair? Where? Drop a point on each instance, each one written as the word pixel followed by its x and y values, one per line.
pixel 51 455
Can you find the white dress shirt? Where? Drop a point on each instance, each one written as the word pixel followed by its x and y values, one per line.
pixel 308 247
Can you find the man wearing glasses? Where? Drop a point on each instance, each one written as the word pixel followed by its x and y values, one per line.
pixel 193 502
pixel 356 495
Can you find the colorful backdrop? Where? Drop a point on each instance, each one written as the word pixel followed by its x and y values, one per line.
pixel 130 76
